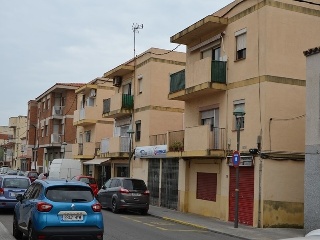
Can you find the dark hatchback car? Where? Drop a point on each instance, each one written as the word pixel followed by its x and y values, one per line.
pixel 58 209
pixel 124 193
pixel 33 175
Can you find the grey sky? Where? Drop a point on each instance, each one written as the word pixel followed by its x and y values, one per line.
pixel 43 42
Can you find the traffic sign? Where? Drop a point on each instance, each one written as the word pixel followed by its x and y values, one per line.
pixel 236 159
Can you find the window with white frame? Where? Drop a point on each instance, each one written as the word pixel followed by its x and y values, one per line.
pixel 236 104
pixel 241 44
pixel 210 117
pixel 127 89
pixel 87 135
pixel 213 53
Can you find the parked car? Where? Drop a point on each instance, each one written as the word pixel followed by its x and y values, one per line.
pixel 58 209
pixel 124 193
pixel 88 180
pixel 4 169
pixel 10 187
pixel 43 176
pixel 33 175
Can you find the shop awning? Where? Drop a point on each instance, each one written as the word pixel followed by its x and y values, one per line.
pixel 96 161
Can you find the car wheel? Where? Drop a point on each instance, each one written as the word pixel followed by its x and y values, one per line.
pixel 15 230
pixel 30 233
pixel 114 206
pixel 144 211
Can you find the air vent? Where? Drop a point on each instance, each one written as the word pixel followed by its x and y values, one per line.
pixel 117 81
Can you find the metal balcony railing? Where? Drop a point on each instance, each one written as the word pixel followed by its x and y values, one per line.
pixel 80 148
pixel 159 139
pixel 55 138
pixel 57 110
pixel 218 71
pixel 177 81
pixel 127 101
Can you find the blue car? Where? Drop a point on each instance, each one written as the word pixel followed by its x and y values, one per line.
pixel 58 209
pixel 10 187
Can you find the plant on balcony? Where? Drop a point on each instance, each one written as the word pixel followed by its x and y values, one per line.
pixel 176 146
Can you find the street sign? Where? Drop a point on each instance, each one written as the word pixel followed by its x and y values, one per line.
pixel 236 158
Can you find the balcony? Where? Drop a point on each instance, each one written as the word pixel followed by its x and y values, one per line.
pixel 85 116
pixel 115 147
pixel 56 138
pixel 159 139
pixel 57 112
pixel 204 77
pixel 84 150
pixel 197 141
pixel 119 105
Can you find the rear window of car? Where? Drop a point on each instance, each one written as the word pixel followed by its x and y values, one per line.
pixel 134 184
pixel 32 174
pixel 16 183
pixel 88 180
pixel 69 194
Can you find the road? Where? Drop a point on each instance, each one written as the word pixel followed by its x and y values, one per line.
pixel 132 226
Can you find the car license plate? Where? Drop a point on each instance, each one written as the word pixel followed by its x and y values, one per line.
pixel 136 194
pixel 12 194
pixel 72 217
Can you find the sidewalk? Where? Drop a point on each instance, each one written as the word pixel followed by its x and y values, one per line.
pixel 227 228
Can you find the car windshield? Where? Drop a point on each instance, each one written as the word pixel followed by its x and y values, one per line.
pixel 16 183
pixel 69 194
pixel 88 180
pixel 32 174
pixel 134 184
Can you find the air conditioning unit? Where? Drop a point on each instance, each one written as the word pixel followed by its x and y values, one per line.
pixel 93 92
pixel 117 80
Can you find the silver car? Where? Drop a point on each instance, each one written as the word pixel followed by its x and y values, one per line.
pixel 124 194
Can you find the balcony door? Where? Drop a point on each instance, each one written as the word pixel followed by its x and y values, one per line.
pixel 126 89
pixel 211 117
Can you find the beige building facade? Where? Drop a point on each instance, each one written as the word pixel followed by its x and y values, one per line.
pixel 246 55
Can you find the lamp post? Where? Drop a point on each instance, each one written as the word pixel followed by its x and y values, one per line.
pixel 238 113
pixel 130 132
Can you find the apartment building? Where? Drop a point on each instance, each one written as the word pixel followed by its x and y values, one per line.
pixel 247 56
pixel 51 133
pixel 6 147
pixel 92 127
pixel 19 129
pixel 143 115
pixel 311 179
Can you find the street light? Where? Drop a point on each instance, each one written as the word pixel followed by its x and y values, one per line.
pixel 130 132
pixel 238 113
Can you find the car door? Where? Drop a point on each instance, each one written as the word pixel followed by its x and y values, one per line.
pixel 110 191
pixel 102 195
pixel 22 208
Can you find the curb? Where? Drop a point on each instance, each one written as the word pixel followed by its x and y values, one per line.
pixel 5 234
pixel 198 226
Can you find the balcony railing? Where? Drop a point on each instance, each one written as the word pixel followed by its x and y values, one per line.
pixel 55 138
pixel 176 140
pixel 57 110
pixel 115 144
pixel 160 139
pixel 218 71
pixel 80 148
pixel 127 101
pixel 177 81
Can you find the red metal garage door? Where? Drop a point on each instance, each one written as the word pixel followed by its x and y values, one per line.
pixel 246 195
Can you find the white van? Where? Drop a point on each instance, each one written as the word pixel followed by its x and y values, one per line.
pixel 64 168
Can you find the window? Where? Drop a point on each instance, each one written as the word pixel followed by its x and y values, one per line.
pixel 213 53
pixel 138 130
pixel 206 186
pixel 87 136
pixel 210 117
pixel 127 89
pixel 238 103
pixel 241 44
pixel 46 130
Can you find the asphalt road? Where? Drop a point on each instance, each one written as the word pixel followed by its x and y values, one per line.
pixel 132 226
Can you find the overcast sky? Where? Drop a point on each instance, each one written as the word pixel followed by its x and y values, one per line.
pixel 44 42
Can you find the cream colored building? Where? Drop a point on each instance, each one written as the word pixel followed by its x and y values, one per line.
pixel 248 55
pixel 19 127
pixel 143 116
pixel 91 126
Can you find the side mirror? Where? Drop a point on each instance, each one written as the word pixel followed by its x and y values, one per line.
pixel 103 187
pixel 19 197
